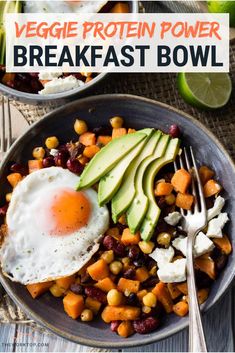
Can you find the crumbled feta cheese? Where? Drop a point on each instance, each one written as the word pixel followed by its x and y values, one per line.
pixel 162 256
pixel 57 85
pixel 216 209
pixel 216 225
pixel 46 75
pixel 173 218
pixel 180 244
pixel 202 244
pixel 54 152
pixel 173 271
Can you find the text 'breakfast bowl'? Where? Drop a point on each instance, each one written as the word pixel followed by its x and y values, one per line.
pixel 95 180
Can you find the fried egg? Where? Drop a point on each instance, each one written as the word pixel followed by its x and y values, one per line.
pixel 53 230
pixel 71 6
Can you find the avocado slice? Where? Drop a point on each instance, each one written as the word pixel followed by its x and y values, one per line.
pixel 111 181
pixel 153 212
pixel 124 196
pixel 139 205
pixel 108 157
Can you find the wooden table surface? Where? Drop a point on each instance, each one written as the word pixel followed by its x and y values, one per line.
pixel 218 324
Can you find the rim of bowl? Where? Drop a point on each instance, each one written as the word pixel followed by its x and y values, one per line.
pixel 144 340
pixel 32 97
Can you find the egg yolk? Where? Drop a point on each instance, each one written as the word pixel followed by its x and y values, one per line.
pixel 69 211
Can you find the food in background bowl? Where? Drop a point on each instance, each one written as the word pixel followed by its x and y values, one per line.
pixel 46 83
pixel 138 274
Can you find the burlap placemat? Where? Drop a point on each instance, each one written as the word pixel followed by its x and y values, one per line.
pixel 161 87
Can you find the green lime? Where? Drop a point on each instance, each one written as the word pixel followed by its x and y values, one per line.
pixel 205 90
pixel 223 7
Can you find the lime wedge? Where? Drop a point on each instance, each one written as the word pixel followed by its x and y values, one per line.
pixel 205 90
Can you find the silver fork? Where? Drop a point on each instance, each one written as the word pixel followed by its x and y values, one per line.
pixel 6 128
pixel 192 222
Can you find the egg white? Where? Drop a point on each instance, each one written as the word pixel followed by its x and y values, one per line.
pixel 45 6
pixel 28 255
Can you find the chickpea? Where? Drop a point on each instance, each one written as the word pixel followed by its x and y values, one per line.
pixel 164 239
pixel 38 153
pixel 52 142
pixel 126 262
pixel 56 291
pixel 80 126
pixel 146 246
pixel 8 197
pixel 115 267
pixel 150 300
pixel 170 199
pixel 116 122
pixel 108 256
pixel 114 297
pixel 146 309
pixel 87 315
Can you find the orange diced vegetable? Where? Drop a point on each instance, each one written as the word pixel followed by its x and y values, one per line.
pixel 93 305
pixel 114 232
pixel 105 284
pixel 90 151
pixel 65 282
pixel 163 189
pixel 120 7
pixel 141 274
pixel 181 308
pixel 205 264
pixel 34 165
pixel 8 77
pixel 122 312
pixel 125 329
pixel 141 294
pixel 131 131
pixel 104 140
pixel 73 304
pixel 87 138
pixel 83 160
pixel 163 295
pixel 181 180
pixel 211 188
pixel 205 174
pixel 184 201
pixel 99 270
pixel 173 290
pixel 37 289
pixel 14 179
pixel 128 238
pixel 224 244
pixel 183 287
pixel 129 285
pixel 118 132
pixel 202 295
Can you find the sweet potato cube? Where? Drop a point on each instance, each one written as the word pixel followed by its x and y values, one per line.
pixel 118 132
pixel 183 287
pixel 93 304
pixel 181 180
pixel 205 174
pixel 122 312
pixel 87 138
pixel 105 284
pixel 181 308
pixel 34 165
pixel 128 238
pixel 184 201
pixel 141 274
pixel 73 304
pixel 37 289
pixel 65 282
pixel 173 290
pixel 125 329
pixel 163 189
pixel 163 295
pixel 211 188
pixel 224 244
pixel 103 140
pixel 205 264
pixel 202 295
pixel 99 270
pixel 128 285
pixel 14 179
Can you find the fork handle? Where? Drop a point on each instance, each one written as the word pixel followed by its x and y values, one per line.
pixel 197 342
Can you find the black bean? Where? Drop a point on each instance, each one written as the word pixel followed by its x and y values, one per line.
pixel 174 131
pixel 77 288
pixel 104 130
pixel 134 252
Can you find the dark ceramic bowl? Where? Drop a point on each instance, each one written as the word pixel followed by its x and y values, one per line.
pixel 138 113
pixel 67 96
